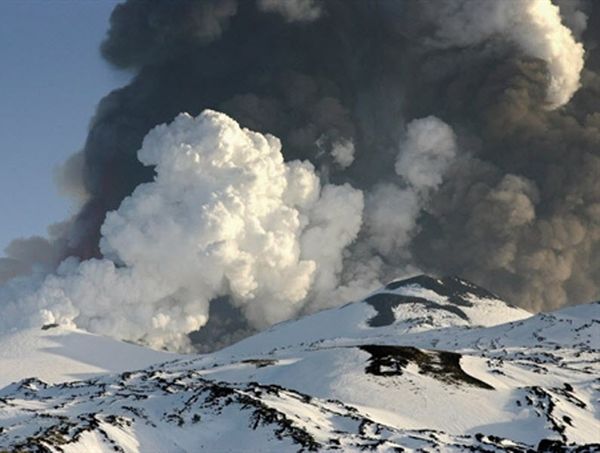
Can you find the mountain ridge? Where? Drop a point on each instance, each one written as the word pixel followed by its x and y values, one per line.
pixel 428 379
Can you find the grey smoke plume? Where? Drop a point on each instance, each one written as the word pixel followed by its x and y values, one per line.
pixel 509 198
pixel 35 254
pixel 533 26
pixel 292 10
pixel 393 211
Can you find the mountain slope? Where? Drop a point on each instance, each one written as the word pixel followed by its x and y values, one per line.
pixel 58 354
pixel 417 365
pixel 402 307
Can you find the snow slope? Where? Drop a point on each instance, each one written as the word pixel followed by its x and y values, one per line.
pixel 59 354
pixel 423 364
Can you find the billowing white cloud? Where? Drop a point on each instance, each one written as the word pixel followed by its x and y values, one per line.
pixel 425 153
pixel 343 153
pixel 224 216
pixel 534 26
pixel 392 209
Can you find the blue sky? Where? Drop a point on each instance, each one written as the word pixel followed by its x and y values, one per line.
pixel 51 78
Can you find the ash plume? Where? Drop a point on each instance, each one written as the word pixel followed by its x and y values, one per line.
pixel 450 137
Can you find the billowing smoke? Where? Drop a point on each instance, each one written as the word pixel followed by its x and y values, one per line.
pixel 34 254
pixel 449 137
pixel 425 153
pixel 224 215
pixel 292 10
pixel 534 26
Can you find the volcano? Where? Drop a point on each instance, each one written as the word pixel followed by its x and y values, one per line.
pixel 422 364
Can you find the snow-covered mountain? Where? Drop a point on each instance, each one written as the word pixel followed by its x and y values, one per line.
pixel 57 354
pixel 423 364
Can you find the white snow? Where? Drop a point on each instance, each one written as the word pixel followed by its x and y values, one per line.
pixel 60 354
pixel 432 378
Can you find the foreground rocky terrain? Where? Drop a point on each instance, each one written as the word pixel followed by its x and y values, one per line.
pixel 422 365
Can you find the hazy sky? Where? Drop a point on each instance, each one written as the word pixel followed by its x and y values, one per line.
pixel 51 78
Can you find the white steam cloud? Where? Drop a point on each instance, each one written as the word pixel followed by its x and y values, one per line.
pixel 534 26
pixel 392 210
pixel 343 153
pixel 224 216
pixel 426 152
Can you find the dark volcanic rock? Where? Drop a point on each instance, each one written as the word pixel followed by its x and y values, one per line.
pixel 442 365
pixel 385 304
pixel 454 288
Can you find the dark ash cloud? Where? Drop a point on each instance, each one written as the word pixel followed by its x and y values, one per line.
pixel 518 210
